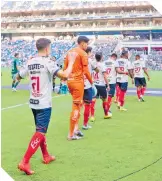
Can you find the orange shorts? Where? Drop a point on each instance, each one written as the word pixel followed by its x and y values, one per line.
pixel 76 89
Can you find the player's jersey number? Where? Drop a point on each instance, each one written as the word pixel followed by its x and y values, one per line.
pixel 35 84
pixel 108 70
pixel 137 69
pixel 95 76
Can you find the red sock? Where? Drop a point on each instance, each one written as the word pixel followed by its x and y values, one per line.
pixel 33 146
pixel 117 93
pixel 143 89
pixel 86 113
pixel 139 93
pixel 109 100
pixel 105 107
pixel 121 97
pixel 93 107
pixel 43 146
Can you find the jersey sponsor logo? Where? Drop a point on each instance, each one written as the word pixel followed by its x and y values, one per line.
pixel 35 66
pixel 137 64
pixel 121 63
pixel 108 63
pixel 34 101
pixel 35 72
pixel 35 143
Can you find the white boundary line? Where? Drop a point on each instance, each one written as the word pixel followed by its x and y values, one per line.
pixel 19 105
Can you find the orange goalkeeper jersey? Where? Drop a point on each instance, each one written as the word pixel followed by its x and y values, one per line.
pixel 80 66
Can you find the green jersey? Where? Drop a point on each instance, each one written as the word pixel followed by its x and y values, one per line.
pixel 15 63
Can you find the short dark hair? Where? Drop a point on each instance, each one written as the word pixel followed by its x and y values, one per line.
pixel 124 53
pixel 114 55
pixel 16 54
pixel 138 56
pixel 42 43
pixel 89 49
pixel 82 39
pixel 98 56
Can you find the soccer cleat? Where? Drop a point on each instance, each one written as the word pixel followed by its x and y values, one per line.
pixel 142 100
pixel 118 105
pixel 108 116
pixel 48 159
pixel 92 119
pixel 14 89
pixel 89 126
pixel 79 133
pixel 71 138
pixel 86 127
pixel 122 109
pixel 25 167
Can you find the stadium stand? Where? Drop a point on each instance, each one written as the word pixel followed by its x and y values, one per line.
pixel 26 50
pixel 109 24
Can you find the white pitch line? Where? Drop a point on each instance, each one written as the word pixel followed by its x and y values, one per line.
pixel 19 105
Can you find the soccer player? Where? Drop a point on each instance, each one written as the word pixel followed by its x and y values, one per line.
pixel 41 70
pixel 88 92
pixel 140 81
pixel 123 69
pixel 76 82
pixel 100 79
pixel 111 71
pixel 15 69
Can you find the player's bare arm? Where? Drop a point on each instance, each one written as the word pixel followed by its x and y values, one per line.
pixel 105 78
pixel 65 73
pixel 146 72
pixel 87 73
pixel 130 73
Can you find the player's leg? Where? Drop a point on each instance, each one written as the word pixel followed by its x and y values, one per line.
pixel 54 84
pixel 143 90
pixel 42 118
pixel 77 90
pixel 95 96
pixel 87 98
pixel 103 95
pixel 13 82
pixel 138 87
pixel 60 87
pixel 16 82
pixel 110 96
pixel 92 119
pixel 117 93
pixel 123 90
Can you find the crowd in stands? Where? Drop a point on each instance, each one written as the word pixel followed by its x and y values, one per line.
pixel 106 48
pixel 34 5
pixel 153 60
pixel 60 45
pixel 28 49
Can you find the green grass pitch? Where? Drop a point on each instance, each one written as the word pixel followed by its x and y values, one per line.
pixel 111 149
